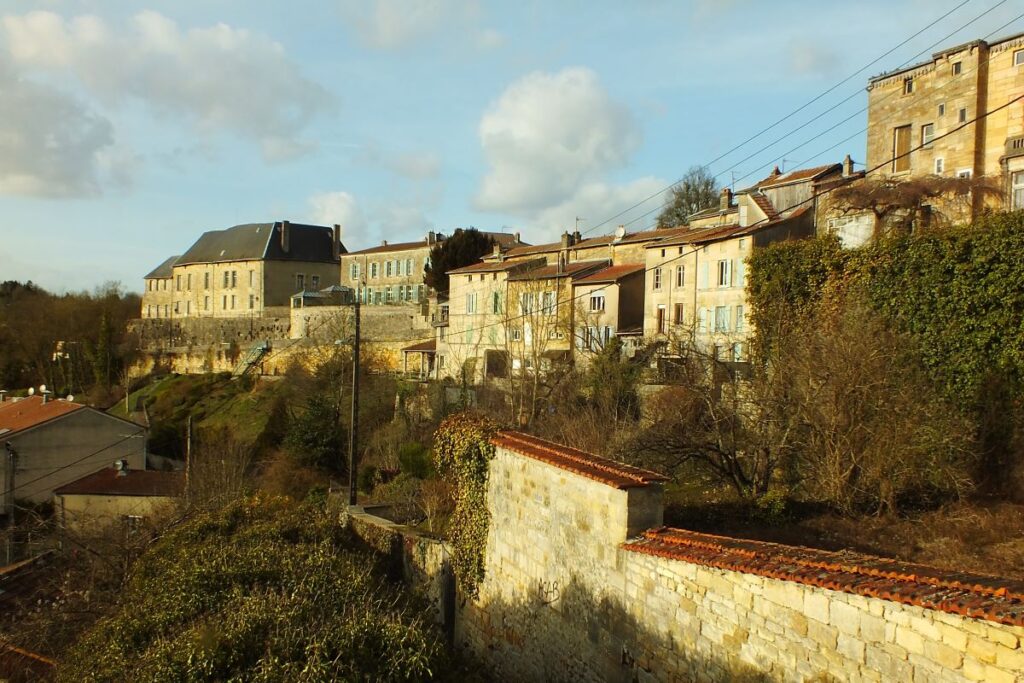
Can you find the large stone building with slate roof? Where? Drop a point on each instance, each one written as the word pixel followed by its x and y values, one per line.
pixel 158 294
pixel 249 270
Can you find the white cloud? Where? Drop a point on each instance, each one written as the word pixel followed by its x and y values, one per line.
pixel 548 135
pixel 329 208
pixel 595 202
pixel 51 144
pixel 220 77
pixel 398 24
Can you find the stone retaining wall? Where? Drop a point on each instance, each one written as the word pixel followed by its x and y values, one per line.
pixel 576 589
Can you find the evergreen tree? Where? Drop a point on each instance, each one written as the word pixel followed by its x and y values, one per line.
pixel 463 248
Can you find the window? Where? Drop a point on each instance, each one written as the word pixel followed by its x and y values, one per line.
pixel 315 279
pixel 927 134
pixel 908 86
pixel 963 173
pixel 376 298
pixel 224 303
pixel 353 271
pixel 549 303
pixel 388 295
pixel 206 303
pixel 962 115
pixel 234 279
pixel 401 293
pixel 387 269
pixel 496 302
pixel 657 278
pixel 702 282
pixel 957 68
pixel 234 301
pixel 206 280
pixel 1018 58
pixel 188 282
pixel 740 318
pixel 680 276
pixel 188 308
pixel 149 311
pixel 901 149
pixel 679 312
pixel 942 109
pixel 1017 190
pixel 596 302
pixel 661 319
pixel 517 334
pixel 227 279
pixel 737 352
pixel 471 303
pixel 702 320
pixel 300 282
pixel 725 273
pixel 408 292
pixel 374 269
pixel 721 318
pixel 408 266
pixel 940 165
pixel 252 301
pixel 177 284
pixel 167 310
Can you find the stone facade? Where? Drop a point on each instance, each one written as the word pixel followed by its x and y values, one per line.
pixel 909 107
pixel 572 594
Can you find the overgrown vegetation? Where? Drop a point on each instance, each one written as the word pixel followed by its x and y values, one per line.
pixel 261 590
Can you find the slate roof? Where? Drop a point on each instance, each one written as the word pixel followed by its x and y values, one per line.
pixel 145 483
pixel 262 241
pixel 969 595
pixel 579 462
pixel 164 270
pixel 18 415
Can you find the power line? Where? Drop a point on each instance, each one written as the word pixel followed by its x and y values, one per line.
pixel 811 120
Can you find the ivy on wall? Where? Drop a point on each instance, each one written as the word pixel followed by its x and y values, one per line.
pixel 958 293
pixel 462 451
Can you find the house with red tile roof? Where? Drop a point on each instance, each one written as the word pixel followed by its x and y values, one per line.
pixel 47 443
pixel 117 494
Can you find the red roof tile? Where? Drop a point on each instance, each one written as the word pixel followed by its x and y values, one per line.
pixel 553 271
pixel 106 482
pixel 799 174
pixel 611 274
pixel 493 266
pixel 765 205
pixel 576 461
pixel 17 415
pixel 971 595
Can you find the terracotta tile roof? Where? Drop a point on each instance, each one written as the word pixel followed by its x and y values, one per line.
pixel 427 346
pixel 494 266
pixel 106 482
pixel 696 235
pixel 970 595
pixel 764 204
pixel 532 249
pixel 610 274
pixel 793 176
pixel 16 415
pixel 571 269
pixel 576 461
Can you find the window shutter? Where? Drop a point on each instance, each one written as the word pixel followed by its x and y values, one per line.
pixel 703 283
pixel 728 273
pixel 741 273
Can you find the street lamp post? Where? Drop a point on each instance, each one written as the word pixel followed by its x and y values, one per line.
pixel 353 432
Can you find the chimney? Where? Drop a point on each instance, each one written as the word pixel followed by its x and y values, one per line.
pixel 561 263
pixel 847 166
pixel 337 241
pixel 566 240
pixel 776 171
pixel 431 238
pixel 516 237
pixel 3 395
pixel 286 234
pixel 383 243
pixel 726 199
pixel 46 396
pixel 577 237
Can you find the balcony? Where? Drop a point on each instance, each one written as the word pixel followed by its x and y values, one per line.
pixel 439 318
pixel 1014 147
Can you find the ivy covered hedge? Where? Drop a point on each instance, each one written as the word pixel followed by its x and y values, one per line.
pixel 462 450
pixel 263 590
pixel 958 293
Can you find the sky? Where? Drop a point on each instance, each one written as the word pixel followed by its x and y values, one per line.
pixel 128 128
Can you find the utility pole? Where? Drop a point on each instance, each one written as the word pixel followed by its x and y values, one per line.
pixel 188 459
pixel 353 432
pixel 11 455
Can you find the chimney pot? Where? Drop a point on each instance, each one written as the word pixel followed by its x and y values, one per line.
pixel 726 199
pixel 383 243
pixel 776 171
pixel 516 236
pixel 337 241
pixel 847 166
pixel 286 234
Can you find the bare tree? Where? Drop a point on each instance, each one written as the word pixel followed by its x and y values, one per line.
pixel 697 190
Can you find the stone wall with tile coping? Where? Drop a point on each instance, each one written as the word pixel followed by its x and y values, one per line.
pixel 564 599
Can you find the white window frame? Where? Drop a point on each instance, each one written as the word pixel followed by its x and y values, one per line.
pixel 956 69
pixel 908 85
pixel 471 303
pixel 680 276
pixel 1018 58
pixel 961 115
pixel 724 272
pixel 657 279
pixel 1017 189
pixel 942 108
pixel 596 303
pixel 964 173
pixel 721 319
pixel 927 135
pixel 940 165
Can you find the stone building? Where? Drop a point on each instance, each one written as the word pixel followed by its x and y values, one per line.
pixel 911 108
pixel 252 270
pixel 158 293
pixel 392 273
pixel 118 495
pixel 609 303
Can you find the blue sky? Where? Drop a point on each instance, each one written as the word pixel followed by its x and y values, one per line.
pixel 128 128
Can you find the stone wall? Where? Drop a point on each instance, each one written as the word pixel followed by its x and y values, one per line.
pixel 576 589
pixel 165 334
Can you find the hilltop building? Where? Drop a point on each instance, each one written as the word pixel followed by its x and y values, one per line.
pixel 158 292
pixel 249 270
pixel 916 105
